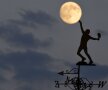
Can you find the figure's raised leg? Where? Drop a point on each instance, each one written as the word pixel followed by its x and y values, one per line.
pixel 79 54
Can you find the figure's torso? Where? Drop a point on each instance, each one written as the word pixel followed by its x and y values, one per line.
pixel 84 39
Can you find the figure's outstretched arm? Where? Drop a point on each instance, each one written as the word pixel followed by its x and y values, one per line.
pixel 81 26
pixel 98 38
pixel 94 38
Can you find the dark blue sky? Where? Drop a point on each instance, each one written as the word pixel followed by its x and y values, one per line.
pixel 35 44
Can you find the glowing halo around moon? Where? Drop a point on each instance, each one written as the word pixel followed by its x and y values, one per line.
pixel 70 12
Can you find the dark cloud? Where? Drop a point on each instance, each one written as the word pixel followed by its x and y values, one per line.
pixel 29 66
pixel 13 34
pixel 31 70
pixel 32 19
pixel 23 23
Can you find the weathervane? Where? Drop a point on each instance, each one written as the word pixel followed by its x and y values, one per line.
pixel 70 13
pixel 77 82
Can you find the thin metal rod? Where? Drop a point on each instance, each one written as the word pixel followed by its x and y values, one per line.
pixel 78 77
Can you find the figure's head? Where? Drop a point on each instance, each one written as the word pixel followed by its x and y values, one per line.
pixel 87 31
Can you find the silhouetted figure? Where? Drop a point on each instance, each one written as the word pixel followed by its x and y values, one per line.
pixel 83 44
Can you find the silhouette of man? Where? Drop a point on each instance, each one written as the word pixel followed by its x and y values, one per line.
pixel 83 44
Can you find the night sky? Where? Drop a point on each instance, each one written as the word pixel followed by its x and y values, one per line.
pixel 35 44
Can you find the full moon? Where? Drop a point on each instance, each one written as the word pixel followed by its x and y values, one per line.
pixel 70 12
